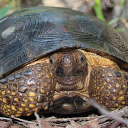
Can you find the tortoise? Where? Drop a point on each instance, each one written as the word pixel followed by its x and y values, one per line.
pixel 56 59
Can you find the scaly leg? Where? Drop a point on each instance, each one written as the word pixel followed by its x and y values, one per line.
pixel 27 90
pixel 109 87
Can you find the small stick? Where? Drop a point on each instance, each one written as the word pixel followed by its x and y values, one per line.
pixel 124 22
pixel 107 113
pixel 4 118
pixel 22 120
pixel 38 119
pixel 69 119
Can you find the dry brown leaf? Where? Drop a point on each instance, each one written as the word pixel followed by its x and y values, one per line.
pixel 32 126
pixel 73 125
pixel 14 126
pixel 45 124
pixel 91 124
pixel 69 126
pixel 4 124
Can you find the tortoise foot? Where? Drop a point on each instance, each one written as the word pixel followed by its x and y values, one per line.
pixel 108 87
pixel 27 90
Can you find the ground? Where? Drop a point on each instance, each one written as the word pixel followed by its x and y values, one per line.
pixel 112 10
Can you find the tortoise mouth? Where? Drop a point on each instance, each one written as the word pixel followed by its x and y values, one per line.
pixel 68 80
pixel 69 83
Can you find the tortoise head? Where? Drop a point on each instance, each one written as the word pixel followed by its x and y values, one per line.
pixel 70 69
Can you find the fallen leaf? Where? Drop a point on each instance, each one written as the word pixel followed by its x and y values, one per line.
pixel 45 124
pixel 14 126
pixel 91 124
pixel 4 124
pixel 73 125
pixel 32 126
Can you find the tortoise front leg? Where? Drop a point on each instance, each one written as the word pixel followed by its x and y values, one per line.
pixel 27 90
pixel 108 87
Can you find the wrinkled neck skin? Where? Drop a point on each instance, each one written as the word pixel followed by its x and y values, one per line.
pixel 71 70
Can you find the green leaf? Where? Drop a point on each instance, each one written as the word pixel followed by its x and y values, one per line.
pixel 113 20
pixel 3 11
pixel 119 30
pixel 122 4
pixel 98 10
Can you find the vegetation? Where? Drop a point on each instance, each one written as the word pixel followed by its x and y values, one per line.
pixel 9 6
pixel 98 10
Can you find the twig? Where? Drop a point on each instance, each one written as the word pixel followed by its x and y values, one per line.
pixel 124 22
pixel 38 119
pixel 115 124
pixel 22 120
pixel 69 119
pixel 22 123
pixel 107 113
pixel 4 118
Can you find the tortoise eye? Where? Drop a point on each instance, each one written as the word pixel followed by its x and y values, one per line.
pixel 82 59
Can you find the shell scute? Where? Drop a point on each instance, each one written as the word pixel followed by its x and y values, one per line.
pixel 31 33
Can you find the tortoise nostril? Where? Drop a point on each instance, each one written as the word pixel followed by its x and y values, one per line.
pixel 60 71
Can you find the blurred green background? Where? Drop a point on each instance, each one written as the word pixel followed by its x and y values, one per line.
pixel 115 12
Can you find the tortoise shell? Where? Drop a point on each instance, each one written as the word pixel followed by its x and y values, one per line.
pixel 29 34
